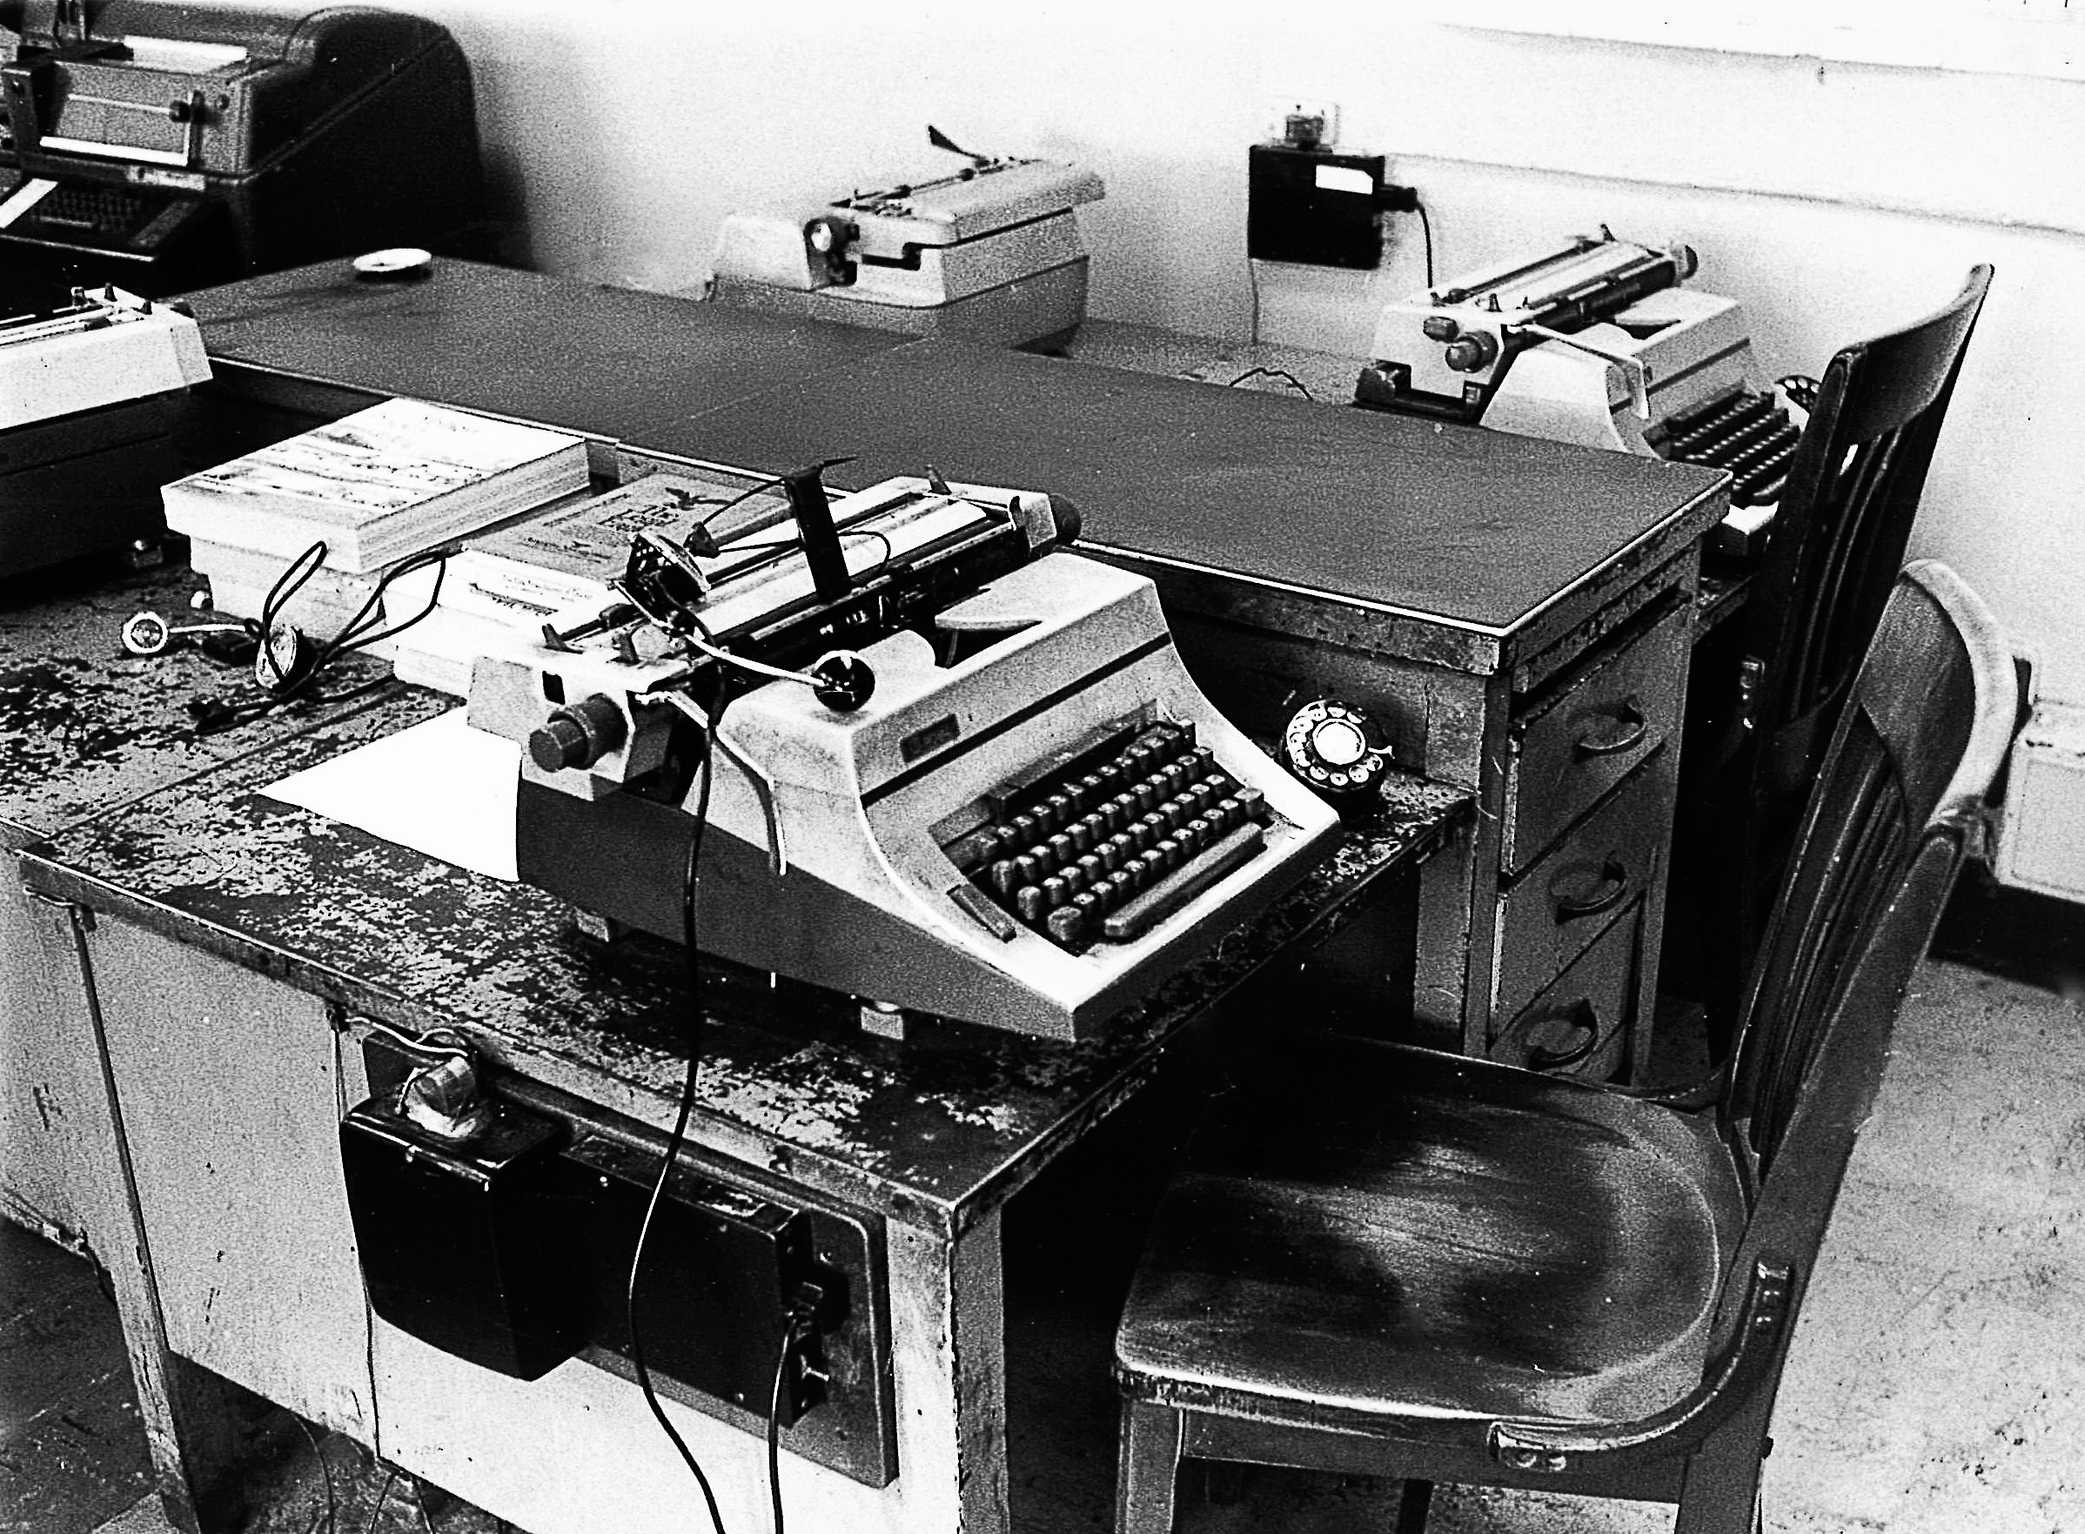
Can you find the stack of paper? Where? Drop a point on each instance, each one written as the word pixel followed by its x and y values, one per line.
pixel 375 487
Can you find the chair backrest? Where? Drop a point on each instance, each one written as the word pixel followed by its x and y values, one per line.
pixel 1897 806
pixel 1840 534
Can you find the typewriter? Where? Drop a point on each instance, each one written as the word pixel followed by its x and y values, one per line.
pixel 971 777
pixel 88 389
pixel 166 146
pixel 990 252
pixel 1595 343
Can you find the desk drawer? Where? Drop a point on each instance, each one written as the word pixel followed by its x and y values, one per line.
pixel 1577 890
pixel 1580 1025
pixel 1577 742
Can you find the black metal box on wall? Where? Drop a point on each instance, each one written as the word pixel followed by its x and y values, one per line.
pixel 1314 206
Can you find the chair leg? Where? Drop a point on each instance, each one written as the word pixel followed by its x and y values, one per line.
pixel 1721 1491
pixel 1223 1482
pixel 1414 1502
pixel 1148 1468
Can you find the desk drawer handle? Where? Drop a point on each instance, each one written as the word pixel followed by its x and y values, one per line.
pixel 1604 892
pixel 1623 729
pixel 1585 1026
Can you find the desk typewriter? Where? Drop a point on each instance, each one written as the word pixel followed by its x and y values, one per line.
pixel 993 795
pixel 990 252
pixel 88 391
pixel 1595 343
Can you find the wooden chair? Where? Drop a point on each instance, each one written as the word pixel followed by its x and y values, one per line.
pixel 1387 1261
pixel 1839 537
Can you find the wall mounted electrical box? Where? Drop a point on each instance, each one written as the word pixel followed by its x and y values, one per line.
pixel 1314 206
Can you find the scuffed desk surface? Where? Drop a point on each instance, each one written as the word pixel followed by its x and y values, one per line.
pixel 85 727
pixel 932 1131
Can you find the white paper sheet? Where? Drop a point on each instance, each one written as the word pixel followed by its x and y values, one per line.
pixel 25 197
pixel 441 788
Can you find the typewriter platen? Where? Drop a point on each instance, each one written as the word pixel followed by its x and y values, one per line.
pixel 1030 820
pixel 1596 343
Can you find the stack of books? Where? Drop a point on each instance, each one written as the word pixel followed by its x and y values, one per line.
pixel 556 566
pixel 375 487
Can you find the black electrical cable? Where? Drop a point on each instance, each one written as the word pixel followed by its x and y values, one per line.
pixel 674 1141
pixel 1281 374
pixel 737 500
pixel 1426 228
pixel 353 635
pixel 326 1470
pixel 774 1419
pixel 377 1506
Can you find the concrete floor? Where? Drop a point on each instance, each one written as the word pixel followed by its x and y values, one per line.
pixel 1936 1381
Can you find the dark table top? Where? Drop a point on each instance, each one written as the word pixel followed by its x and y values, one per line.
pixel 1471 529
pixel 609 362
pixel 1477 529
pixel 933 1130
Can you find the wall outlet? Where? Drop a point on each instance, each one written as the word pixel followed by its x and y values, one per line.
pixel 1290 121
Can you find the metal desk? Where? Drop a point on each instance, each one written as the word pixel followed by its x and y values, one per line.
pixel 1441 577
pixel 238 950
pixel 86 730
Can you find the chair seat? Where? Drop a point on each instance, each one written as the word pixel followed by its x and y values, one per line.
pixel 1365 1233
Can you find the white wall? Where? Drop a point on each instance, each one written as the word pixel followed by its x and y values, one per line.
pixel 1835 200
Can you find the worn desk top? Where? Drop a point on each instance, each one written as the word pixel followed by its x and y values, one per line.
pixel 931 1131
pixel 85 727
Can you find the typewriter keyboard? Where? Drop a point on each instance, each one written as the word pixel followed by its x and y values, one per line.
pixel 1106 844
pixel 1748 434
pixel 107 212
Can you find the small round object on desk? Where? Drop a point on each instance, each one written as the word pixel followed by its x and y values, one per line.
pixel 1332 746
pixel 285 656
pixel 146 633
pixel 402 263
pixel 844 681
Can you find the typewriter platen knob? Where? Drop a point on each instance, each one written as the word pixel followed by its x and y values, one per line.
pixel 1471 352
pixel 843 681
pixel 577 735
pixel 1333 747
